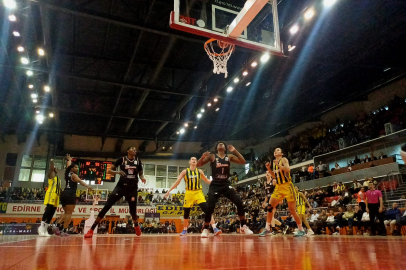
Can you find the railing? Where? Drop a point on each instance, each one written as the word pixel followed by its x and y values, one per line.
pixel 389 183
pixel 401 203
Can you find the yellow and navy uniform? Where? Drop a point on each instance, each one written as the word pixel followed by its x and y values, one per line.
pixel 284 187
pixel 300 204
pixel 194 193
pixel 53 192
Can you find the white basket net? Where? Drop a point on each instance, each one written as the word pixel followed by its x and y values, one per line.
pixel 219 59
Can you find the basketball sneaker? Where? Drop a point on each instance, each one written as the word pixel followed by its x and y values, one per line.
pixel 265 233
pixel 42 231
pixel 299 233
pixel 245 230
pixel 205 233
pixel 183 233
pixel 89 234
pixel 310 232
pixel 64 234
pixel 217 231
pixel 137 230
pixel 56 230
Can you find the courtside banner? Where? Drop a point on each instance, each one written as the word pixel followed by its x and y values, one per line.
pixel 19 229
pixel 171 210
pixel 80 210
pixel 3 207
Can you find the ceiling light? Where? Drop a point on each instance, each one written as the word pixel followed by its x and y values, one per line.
pixel 245 73
pixel 37 111
pixel 30 86
pixel 41 52
pixel 254 64
pixel 10 3
pixel 217 109
pixel 12 18
pixel 47 88
pixel 294 29
pixel 30 73
pixel 202 110
pixel 199 115
pixel 236 80
pixel 229 89
pixel 24 60
pixel 309 14
pixel 329 3
pixel 170 147
pixel 265 57
pixel 208 104
pixel 51 115
pixel 195 127
pixel 34 95
pixel 34 100
pixel 186 125
pixel 40 118
pixel 291 48
pixel 16 34
pixel 177 132
pixel 20 48
pixel 182 130
pixel 163 147
pixel 248 84
pixel 216 99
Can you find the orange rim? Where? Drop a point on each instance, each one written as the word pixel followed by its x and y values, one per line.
pixel 219 54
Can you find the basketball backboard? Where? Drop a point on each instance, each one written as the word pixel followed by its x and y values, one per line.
pixel 210 18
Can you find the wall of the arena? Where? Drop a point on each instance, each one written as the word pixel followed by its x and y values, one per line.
pixel 384 95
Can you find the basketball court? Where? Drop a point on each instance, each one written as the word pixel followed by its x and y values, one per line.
pixel 192 252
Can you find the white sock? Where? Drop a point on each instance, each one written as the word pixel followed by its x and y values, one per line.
pixel 43 223
pixel 268 226
pixel 214 226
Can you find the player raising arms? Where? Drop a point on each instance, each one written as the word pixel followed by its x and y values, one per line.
pixel 220 166
pixel 52 198
pixel 194 193
pixel 130 168
pixel 284 189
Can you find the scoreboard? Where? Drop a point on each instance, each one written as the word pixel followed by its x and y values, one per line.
pixel 94 170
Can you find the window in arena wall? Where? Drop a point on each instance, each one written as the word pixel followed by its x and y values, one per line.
pixel 161 170
pixel 149 169
pixel 33 168
pixel 24 175
pixel 38 175
pixel 160 182
pixel 170 182
pixel 172 171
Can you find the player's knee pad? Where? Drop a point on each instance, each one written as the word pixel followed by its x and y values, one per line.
pixel 186 213
pixel 270 208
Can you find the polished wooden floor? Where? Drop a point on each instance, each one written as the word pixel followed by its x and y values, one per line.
pixel 167 252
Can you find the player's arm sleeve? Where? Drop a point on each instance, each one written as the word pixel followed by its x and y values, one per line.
pixel 118 162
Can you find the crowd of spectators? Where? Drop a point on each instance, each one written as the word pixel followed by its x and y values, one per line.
pixel 324 137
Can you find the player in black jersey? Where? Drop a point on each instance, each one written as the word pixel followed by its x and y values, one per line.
pixel 130 168
pixel 220 166
pixel 68 195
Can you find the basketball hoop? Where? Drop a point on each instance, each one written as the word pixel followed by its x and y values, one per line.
pixel 219 59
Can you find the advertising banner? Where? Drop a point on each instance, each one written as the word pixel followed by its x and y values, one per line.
pixel 19 229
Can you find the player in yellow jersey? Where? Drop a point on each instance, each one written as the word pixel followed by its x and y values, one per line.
pixel 194 193
pixel 284 189
pixel 301 203
pixel 52 198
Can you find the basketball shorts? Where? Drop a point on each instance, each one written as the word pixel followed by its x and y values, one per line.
pixel 68 197
pixel 192 197
pixel 301 209
pixel 51 198
pixel 285 191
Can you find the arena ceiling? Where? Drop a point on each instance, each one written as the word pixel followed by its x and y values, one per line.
pixel 116 69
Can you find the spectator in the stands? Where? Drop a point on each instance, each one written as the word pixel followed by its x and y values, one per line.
pixel 367 159
pixel 340 188
pixel 310 169
pixel 356 187
pixel 346 196
pixel 365 185
pixel 156 191
pixel 357 217
pixel 38 220
pixel 337 166
pixel 335 188
pixel 391 217
pixel 339 218
pixel 365 222
pixel 322 169
pixel 349 217
pixel 313 203
pixel 313 219
pixel 321 223
pixel 361 199
pixel 357 160
pixel 330 190
pixel 13 222
pixel 372 157
pixel 330 222
pixel 382 156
